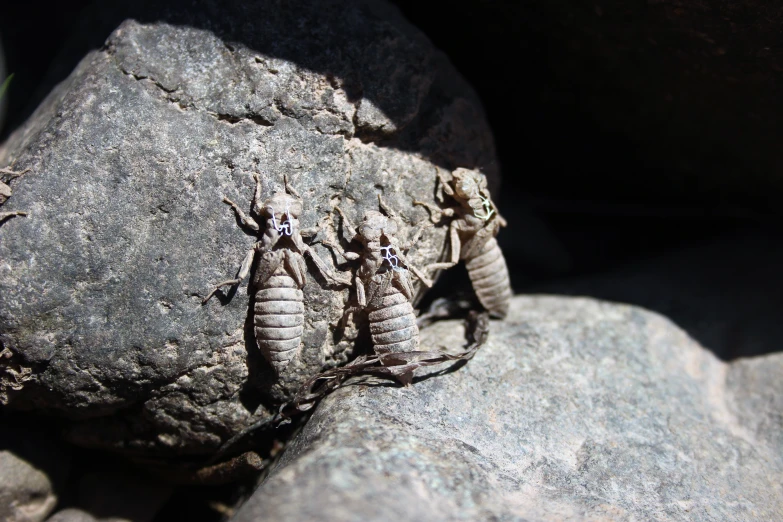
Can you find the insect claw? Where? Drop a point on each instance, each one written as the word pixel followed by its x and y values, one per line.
pixel 208 297
pixel 230 282
pixel 436 214
pixel 6 215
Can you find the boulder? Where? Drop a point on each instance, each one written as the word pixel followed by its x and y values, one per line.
pixel 101 284
pixel 34 469
pixel 692 288
pixel 756 397
pixel 26 493
pixel 575 409
pixel 72 515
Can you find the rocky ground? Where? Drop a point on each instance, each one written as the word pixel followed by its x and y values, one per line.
pixel 575 409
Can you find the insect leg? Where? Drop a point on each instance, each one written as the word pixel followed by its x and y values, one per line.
pixel 403 281
pixel 243 218
pixel 423 278
pixel 328 274
pixel 350 256
pixel 13 174
pixel 416 235
pixel 257 195
pixel 309 232
pixel 319 263
pixel 289 188
pixel 6 215
pixel 435 211
pixel 296 267
pixel 244 269
pixel 361 297
pixel 444 183
pixel 388 211
pixel 454 244
pixel 346 225
pixel 346 314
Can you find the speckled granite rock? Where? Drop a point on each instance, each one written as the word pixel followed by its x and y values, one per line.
pixel 756 398
pixel 100 286
pixel 575 410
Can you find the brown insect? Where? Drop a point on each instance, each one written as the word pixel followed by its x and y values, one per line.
pixel 383 284
pixel 472 237
pixel 278 314
pixel 7 175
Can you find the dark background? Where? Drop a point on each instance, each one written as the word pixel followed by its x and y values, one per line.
pixel 639 143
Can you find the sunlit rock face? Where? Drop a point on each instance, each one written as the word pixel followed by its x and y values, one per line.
pixel 130 157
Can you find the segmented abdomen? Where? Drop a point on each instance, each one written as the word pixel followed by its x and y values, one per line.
pixel 392 322
pixel 489 274
pixel 279 318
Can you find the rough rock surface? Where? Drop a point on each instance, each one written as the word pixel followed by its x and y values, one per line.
pixel 100 286
pixel 735 316
pixel 34 468
pixel 26 493
pixel 757 397
pixel 574 410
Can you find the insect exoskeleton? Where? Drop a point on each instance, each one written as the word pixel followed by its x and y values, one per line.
pixel 489 276
pixel 6 175
pixel 472 237
pixel 383 283
pixel 278 312
pixel 390 313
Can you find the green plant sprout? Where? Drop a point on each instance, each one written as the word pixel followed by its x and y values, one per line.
pixel 4 86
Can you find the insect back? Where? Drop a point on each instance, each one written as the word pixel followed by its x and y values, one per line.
pixel 281 273
pixel 474 224
pixel 384 288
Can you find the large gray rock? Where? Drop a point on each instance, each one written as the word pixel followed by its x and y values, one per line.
pixel 34 467
pixel 691 286
pixel 26 492
pixel 756 397
pixel 101 285
pixel 575 409
pixel 72 515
